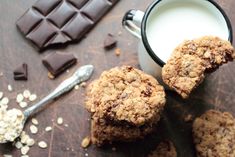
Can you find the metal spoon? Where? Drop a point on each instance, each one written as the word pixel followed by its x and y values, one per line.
pixel 81 75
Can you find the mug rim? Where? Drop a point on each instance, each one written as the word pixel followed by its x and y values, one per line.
pixel 144 23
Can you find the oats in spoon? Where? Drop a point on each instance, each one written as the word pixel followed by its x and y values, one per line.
pixel 11 124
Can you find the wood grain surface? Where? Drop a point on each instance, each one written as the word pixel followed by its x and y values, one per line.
pixel 216 92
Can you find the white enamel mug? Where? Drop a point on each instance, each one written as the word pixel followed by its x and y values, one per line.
pixel 167 23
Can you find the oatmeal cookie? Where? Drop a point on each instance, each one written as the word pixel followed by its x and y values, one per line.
pixel 164 149
pixel 189 62
pixel 214 134
pixel 183 73
pixel 103 132
pixel 126 95
pixel 212 50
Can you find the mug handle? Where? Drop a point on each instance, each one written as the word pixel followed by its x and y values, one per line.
pixel 132 21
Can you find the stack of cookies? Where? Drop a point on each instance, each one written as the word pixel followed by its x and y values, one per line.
pixel 125 104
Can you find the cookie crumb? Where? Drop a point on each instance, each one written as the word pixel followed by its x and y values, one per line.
pixel 50 76
pixel 83 84
pixel 86 142
pixel 117 51
pixel 42 144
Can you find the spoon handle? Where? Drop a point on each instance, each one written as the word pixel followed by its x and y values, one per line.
pixel 82 74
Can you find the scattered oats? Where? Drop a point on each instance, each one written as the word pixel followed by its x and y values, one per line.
pixel 86 142
pixel 76 87
pixel 23 104
pixel 42 144
pixel 117 52
pixel 19 98
pixel 60 120
pixel 1 95
pixel 34 121
pixel 50 76
pixel 24 150
pixel 7 155
pixel 48 128
pixel 24 137
pixel 9 87
pixel 72 149
pixel 32 97
pixel 33 129
pixel 18 145
pixel 26 94
pixel 83 84
pixel 86 154
pixel 5 101
pixel 30 142
pixel 66 125
pixel 67 148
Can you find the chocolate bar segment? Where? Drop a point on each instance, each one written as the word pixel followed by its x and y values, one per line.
pixel 58 62
pixel 50 22
pixel 109 41
pixel 21 72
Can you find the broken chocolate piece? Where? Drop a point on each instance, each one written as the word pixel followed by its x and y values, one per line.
pixel 109 41
pixel 60 21
pixel 21 72
pixel 58 62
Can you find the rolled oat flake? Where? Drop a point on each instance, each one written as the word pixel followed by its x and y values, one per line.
pixel 11 124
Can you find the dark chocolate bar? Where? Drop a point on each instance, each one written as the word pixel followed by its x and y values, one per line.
pixel 50 22
pixel 21 72
pixel 58 62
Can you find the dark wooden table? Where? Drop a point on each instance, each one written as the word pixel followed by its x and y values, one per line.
pixel 216 92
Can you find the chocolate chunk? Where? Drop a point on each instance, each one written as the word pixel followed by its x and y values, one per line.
pixel 109 41
pixel 58 62
pixel 21 72
pixel 60 21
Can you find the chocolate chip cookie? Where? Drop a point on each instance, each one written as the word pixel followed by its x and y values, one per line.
pixel 189 62
pixel 214 134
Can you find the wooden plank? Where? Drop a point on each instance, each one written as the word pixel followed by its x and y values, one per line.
pixel 218 89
